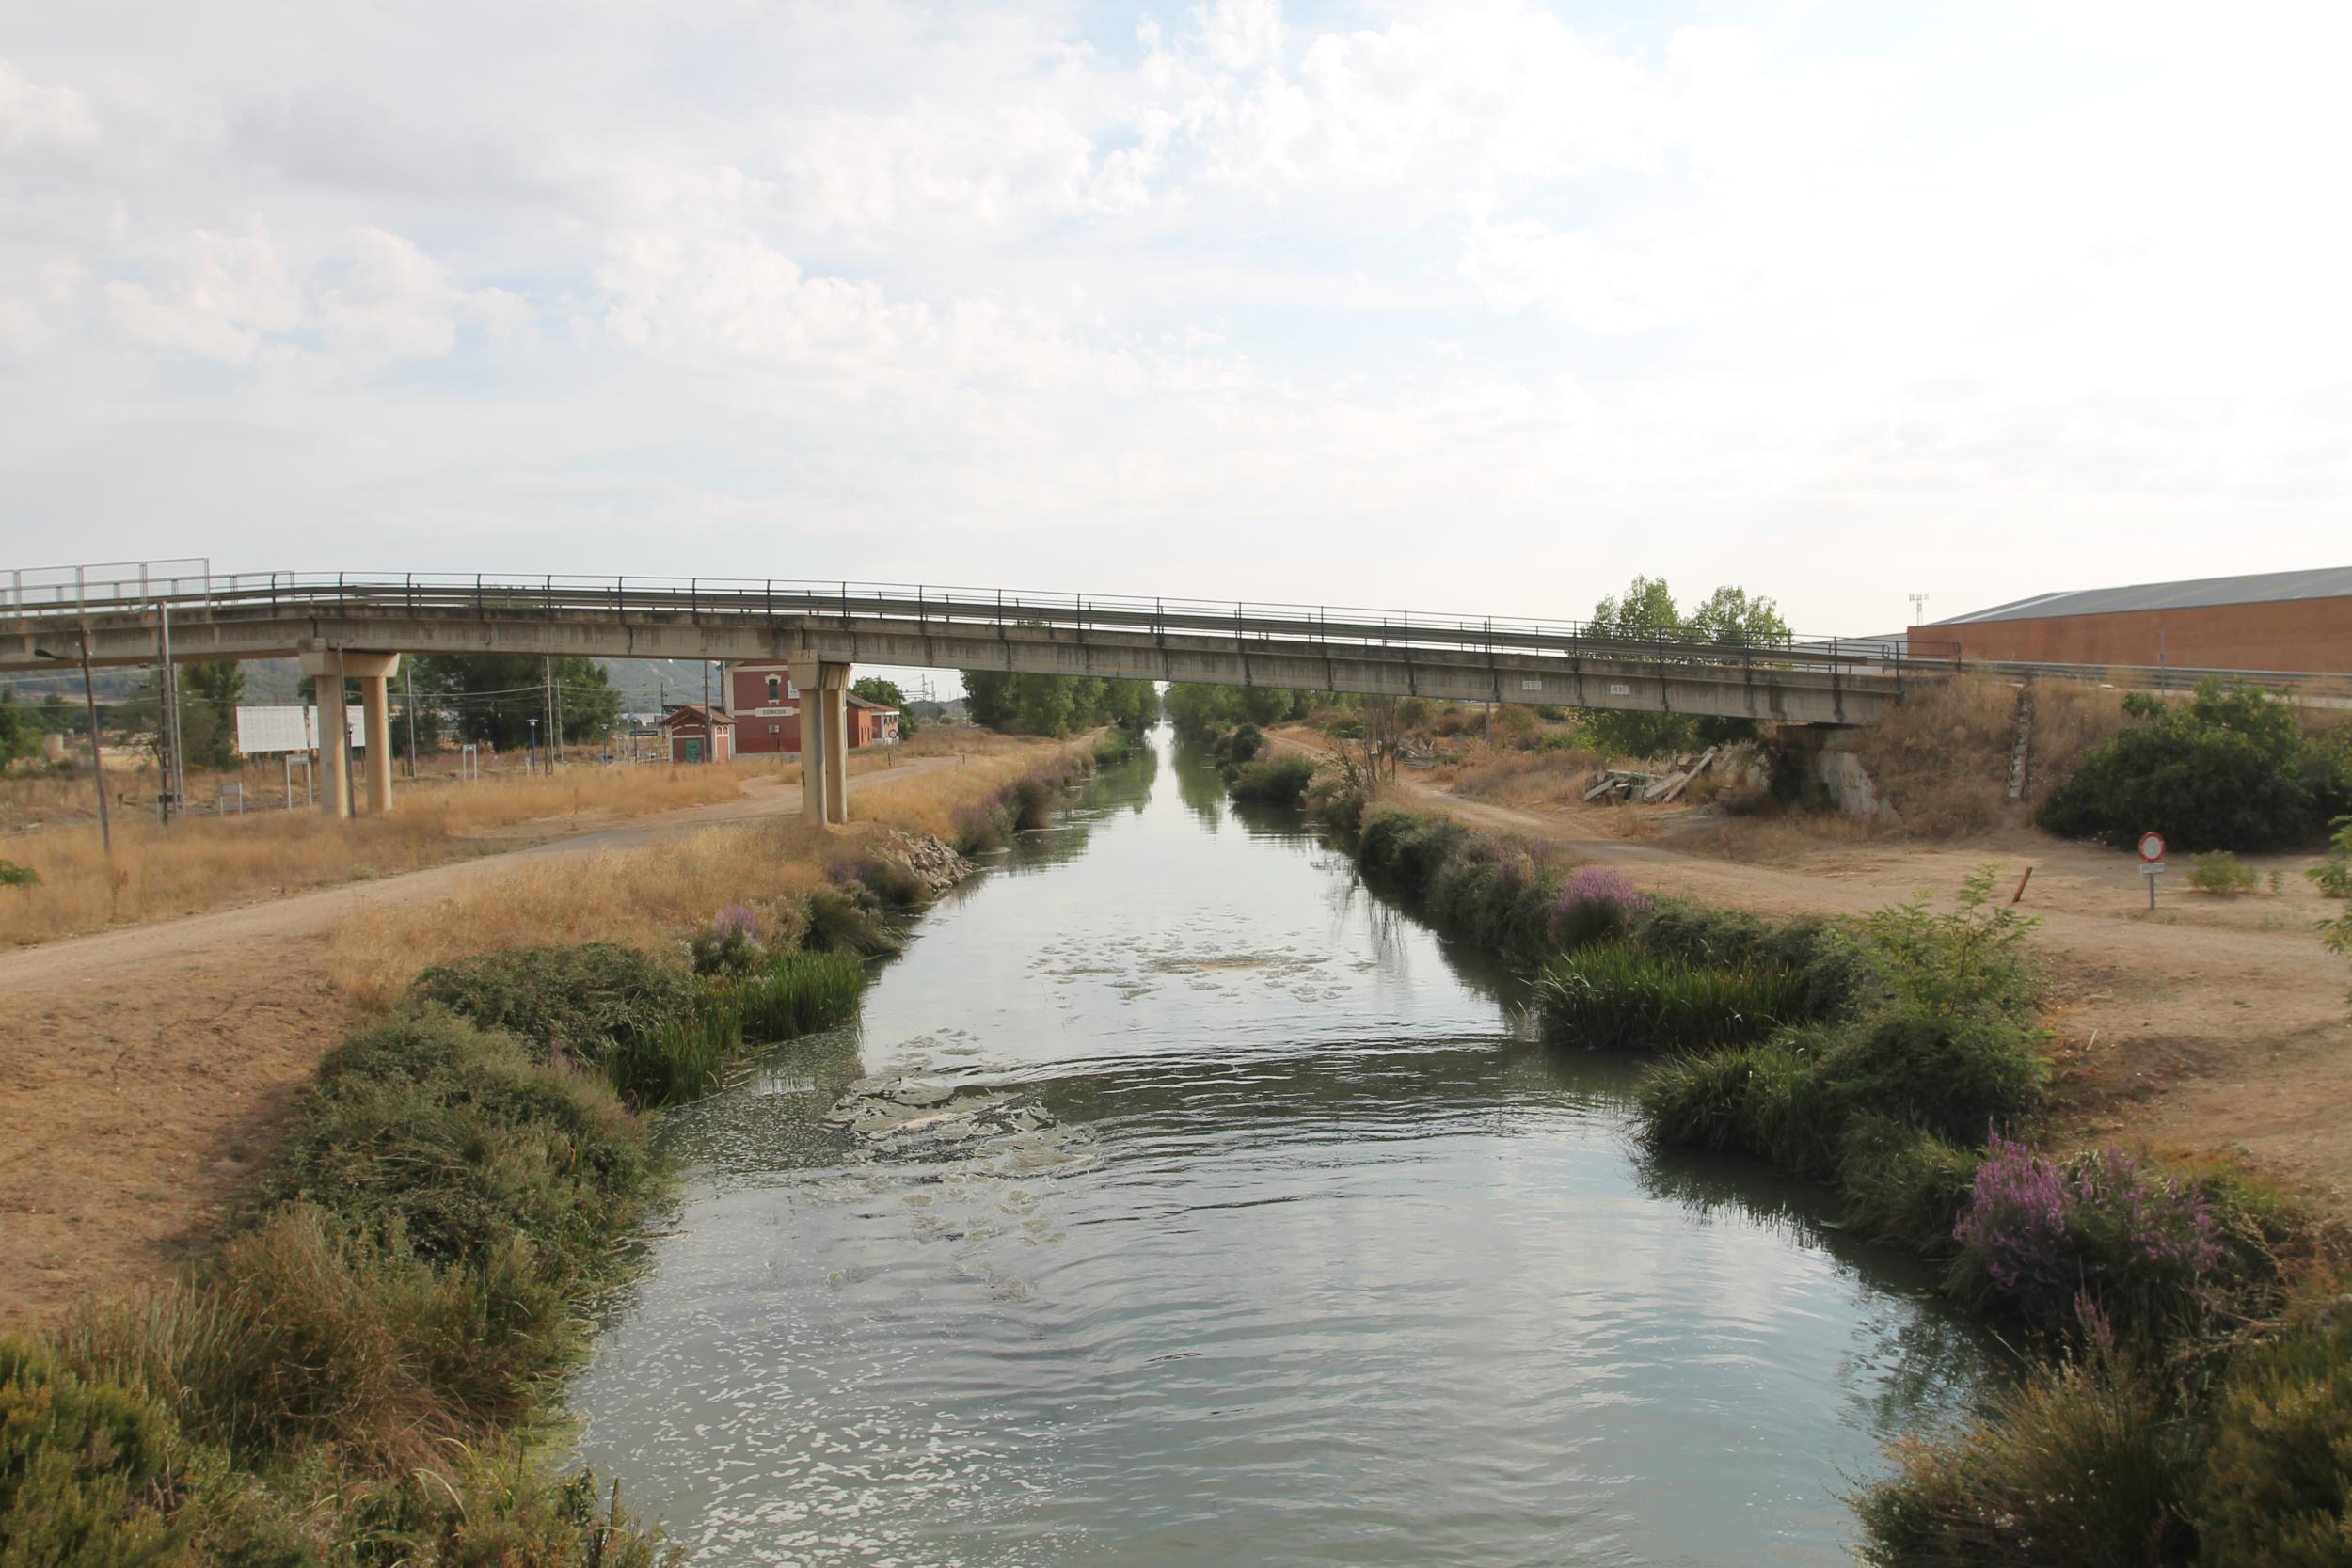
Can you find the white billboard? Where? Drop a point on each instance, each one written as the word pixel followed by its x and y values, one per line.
pixel 264 730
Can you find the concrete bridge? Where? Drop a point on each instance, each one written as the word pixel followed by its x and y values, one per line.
pixel 357 624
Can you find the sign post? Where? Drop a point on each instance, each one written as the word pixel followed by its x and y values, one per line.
pixel 2151 862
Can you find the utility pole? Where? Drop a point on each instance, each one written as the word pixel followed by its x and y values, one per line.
pixel 547 699
pixel 711 725
pixel 176 775
pixel 342 740
pixel 97 748
pixel 408 699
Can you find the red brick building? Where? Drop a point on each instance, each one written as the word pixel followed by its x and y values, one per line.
pixel 688 733
pixel 2281 621
pixel 766 707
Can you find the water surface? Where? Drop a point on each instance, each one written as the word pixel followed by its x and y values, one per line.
pixel 1320 1260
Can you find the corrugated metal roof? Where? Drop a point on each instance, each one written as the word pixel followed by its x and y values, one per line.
pixel 2325 582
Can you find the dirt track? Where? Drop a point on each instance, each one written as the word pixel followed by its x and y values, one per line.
pixel 147 1068
pixel 2212 1025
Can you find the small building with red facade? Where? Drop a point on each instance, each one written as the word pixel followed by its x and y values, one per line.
pixel 693 735
pixel 766 707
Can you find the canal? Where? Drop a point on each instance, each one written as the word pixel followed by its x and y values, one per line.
pixel 1297 1251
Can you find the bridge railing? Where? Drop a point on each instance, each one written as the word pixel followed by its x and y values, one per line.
pixel 928 607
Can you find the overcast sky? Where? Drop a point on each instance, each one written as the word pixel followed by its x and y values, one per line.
pixel 1467 305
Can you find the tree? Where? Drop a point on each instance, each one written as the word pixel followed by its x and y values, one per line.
pixel 19 736
pixel 1733 615
pixel 493 697
pixel 209 695
pixel 1055 705
pixel 1645 614
pixel 876 690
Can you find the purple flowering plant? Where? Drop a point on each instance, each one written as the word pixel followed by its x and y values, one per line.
pixel 2102 1231
pixel 1596 903
pixel 729 944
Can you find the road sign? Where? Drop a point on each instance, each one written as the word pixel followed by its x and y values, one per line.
pixel 2151 848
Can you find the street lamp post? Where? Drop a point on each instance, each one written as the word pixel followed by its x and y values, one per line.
pixel 97 754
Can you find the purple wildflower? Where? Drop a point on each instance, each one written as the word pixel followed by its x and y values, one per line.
pixel 735 920
pixel 1600 884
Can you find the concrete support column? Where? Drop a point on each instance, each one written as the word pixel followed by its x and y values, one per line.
pixel 334 791
pixel 824 697
pixel 376 703
pixel 330 668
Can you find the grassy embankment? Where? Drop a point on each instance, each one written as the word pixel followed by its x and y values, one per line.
pixel 363 1372
pixel 203 863
pixel 2189 1396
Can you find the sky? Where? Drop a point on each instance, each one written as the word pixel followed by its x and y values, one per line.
pixel 1480 307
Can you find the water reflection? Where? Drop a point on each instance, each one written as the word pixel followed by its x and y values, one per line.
pixel 1315 1263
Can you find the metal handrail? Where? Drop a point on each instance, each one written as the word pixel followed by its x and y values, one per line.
pixel 549 596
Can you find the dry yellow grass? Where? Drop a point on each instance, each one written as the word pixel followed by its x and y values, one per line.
pixel 927 802
pixel 642 896
pixel 646 896
pixel 208 861
pixel 2068 719
pixel 1941 758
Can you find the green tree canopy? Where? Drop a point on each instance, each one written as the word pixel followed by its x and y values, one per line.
pixel 493 697
pixel 19 736
pixel 2231 769
pixel 1647 613
pixel 1055 705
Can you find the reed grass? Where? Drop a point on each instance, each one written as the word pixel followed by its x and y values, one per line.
pixel 1617 995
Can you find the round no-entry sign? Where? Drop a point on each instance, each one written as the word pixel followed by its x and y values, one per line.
pixel 2152 847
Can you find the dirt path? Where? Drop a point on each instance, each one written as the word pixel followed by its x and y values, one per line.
pixel 146 1069
pixel 2213 1024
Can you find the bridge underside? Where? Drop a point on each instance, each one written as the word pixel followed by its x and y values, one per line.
pixel 1630 678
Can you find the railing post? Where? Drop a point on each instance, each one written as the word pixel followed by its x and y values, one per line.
pixel 338 592
pixel 412 594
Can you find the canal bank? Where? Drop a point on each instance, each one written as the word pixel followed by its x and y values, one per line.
pixel 1311 1255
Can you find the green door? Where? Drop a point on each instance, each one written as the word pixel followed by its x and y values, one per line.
pixel 693 750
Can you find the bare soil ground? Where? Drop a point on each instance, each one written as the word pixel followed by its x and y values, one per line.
pixel 147 1068
pixel 2210 1025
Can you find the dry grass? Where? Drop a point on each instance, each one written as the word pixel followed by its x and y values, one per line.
pixel 639 896
pixel 646 896
pixel 2068 719
pixel 1941 758
pixel 927 802
pixel 209 862
pixel 1528 780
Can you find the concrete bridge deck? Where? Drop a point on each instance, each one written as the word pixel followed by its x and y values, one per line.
pixel 359 626
pixel 1368 653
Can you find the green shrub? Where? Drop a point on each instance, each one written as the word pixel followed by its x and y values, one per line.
pixel 2229 770
pixel 1282 781
pixel 307 1331
pixel 85 1467
pixel 2220 871
pixel 449 1132
pixel 1618 995
pixel 501 1513
pixel 13 875
pixel 1971 959
pixel 846 917
pixel 1953 1074
pixel 2081 1465
pixel 1901 1185
pixel 1113 749
pixel 2278 1482
pixel 575 1000
pixel 2334 877
pixel 800 994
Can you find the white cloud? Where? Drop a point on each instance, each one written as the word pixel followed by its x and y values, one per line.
pixel 36 120
pixel 1714 293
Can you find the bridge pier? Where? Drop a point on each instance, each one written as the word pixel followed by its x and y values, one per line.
pixel 824 689
pixel 373 672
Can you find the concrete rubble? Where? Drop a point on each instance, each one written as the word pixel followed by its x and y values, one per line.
pixel 938 866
